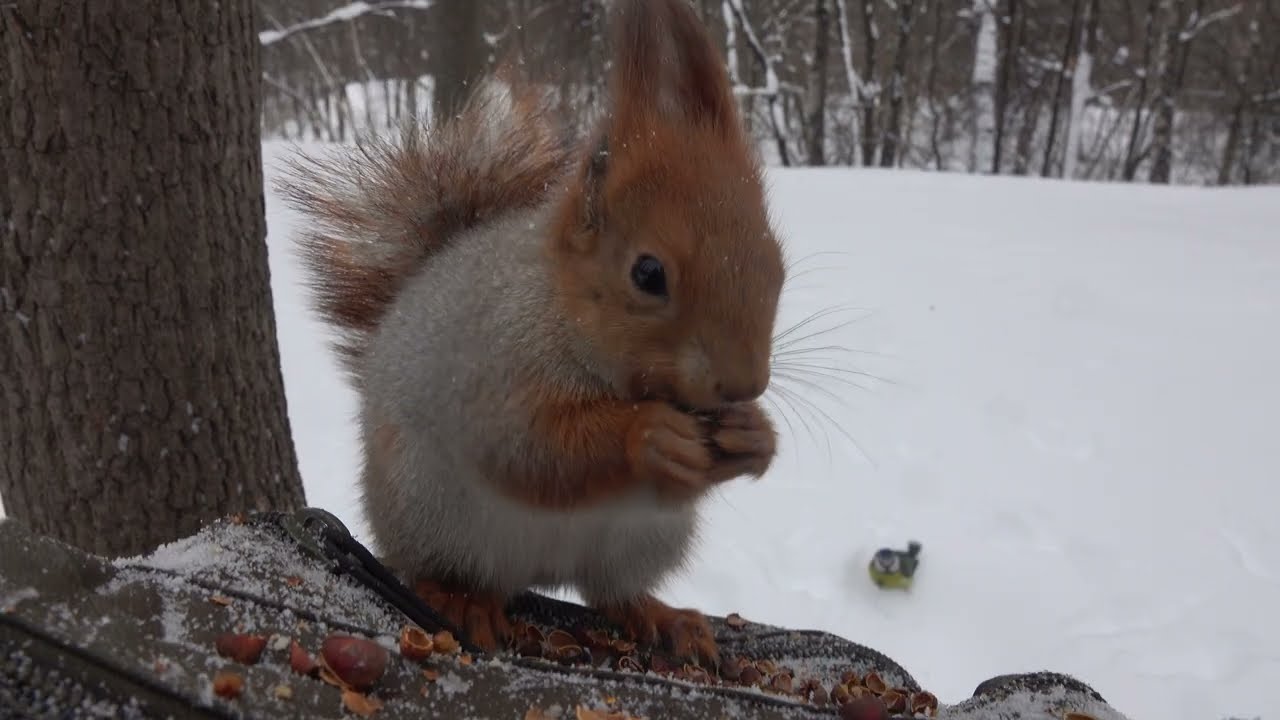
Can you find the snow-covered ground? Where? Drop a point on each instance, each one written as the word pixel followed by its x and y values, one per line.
pixel 1074 409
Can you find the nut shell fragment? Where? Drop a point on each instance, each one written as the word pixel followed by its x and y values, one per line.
pixel 415 643
pixel 300 660
pixel 927 702
pixel 244 649
pixel 561 639
pixel 865 708
pixel 228 684
pixel 445 642
pixel 360 704
pixel 895 701
pixel 629 662
pixel 735 621
pixel 875 683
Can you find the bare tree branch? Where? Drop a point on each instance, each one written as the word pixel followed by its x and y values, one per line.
pixel 346 13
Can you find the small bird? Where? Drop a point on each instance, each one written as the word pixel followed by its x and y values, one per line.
pixel 894 569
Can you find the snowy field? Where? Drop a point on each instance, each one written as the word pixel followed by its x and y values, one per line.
pixel 1074 408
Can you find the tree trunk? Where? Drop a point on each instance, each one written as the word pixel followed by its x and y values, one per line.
pixel 1133 152
pixel 1179 49
pixel 1060 83
pixel 459 52
pixel 1081 89
pixel 931 86
pixel 892 138
pixel 140 384
pixel 816 94
pixel 870 98
pixel 982 89
pixel 1008 60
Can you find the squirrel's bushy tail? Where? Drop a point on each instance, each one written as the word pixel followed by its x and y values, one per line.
pixel 375 211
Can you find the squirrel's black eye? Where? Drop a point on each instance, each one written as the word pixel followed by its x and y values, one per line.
pixel 649 276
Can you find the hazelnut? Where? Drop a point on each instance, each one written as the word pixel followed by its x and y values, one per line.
pixel 356 661
pixel 750 675
pixel 781 682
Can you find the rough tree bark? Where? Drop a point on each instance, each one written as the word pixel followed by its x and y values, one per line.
pixel 1174 71
pixel 869 98
pixel 459 52
pixel 982 116
pixel 1008 41
pixel 893 137
pixel 1060 84
pixel 816 93
pixel 1134 154
pixel 140 384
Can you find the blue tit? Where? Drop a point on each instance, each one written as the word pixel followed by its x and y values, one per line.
pixel 895 569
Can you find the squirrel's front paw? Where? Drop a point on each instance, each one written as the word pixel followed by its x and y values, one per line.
pixel 669 448
pixel 744 441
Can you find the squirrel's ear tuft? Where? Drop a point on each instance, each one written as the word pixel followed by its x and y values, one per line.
pixel 665 65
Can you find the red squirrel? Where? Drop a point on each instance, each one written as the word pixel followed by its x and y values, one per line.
pixel 559 344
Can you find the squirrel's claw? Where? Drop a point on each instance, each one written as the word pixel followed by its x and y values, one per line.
pixel 481 615
pixel 745 440
pixel 685 633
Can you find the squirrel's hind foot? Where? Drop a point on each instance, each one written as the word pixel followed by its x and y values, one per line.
pixel 682 632
pixel 481 615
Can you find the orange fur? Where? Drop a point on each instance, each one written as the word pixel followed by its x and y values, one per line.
pixel 664 396
pixel 685 632
pixel 679 173
pixel 380 209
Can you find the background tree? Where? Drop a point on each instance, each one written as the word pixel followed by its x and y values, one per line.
pixel 140 384
pixel 1177 91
